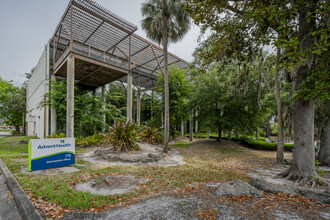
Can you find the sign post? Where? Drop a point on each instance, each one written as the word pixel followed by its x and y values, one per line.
pixel 51 153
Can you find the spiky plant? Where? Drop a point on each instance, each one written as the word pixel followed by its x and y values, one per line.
pixel 123 136
pixel 150 135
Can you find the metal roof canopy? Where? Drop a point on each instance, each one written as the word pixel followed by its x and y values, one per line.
pixel 105 48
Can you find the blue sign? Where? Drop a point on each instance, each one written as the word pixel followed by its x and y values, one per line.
pixel 51 153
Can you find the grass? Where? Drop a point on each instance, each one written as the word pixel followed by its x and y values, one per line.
pixel 204 164
pixel 180 144
pixel 6 130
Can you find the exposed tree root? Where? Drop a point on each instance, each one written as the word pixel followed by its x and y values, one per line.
pixel 307 179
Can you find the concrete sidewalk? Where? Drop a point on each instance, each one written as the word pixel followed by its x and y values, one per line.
pixel 8 208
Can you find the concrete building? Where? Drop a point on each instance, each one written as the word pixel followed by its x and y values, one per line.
pixel 92 47
pixel 38 116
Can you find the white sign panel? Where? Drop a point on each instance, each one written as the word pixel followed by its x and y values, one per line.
pixel 51 153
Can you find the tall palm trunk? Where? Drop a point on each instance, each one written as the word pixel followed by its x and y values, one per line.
pixel 167 108
pixel 280 144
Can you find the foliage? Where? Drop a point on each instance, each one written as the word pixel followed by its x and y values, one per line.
pixel 240 27
pixel 123 136
pixel 150 135
pixel 93 140
pixel 179 90
pixel 319 172
pixel 57 135
pixel 16 133
pixel 12 104
pixel 157 13
pixel 223 101
pixel 261 145
pixel 88 108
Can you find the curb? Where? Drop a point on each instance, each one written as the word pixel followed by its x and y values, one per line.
pixel 24 205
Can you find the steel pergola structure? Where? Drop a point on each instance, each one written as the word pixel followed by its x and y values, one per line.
pixel 93 47
pixel 105 48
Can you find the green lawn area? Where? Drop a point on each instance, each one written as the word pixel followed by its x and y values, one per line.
pixel 57 189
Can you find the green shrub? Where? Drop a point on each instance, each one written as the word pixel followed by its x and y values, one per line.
pixel 123 136
pixel 93 140
pixel 16 133
pixel 150 135
pixel 59 135
pixel 260 144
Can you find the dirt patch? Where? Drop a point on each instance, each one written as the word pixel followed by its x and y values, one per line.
pixel 151 155
pixel 200 204
pixel 111 185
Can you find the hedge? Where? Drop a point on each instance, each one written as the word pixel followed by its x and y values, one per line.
pixel 263 145
pixel 249 142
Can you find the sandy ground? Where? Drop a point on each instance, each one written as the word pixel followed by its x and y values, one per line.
pixel 173 158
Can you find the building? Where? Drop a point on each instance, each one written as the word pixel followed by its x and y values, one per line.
pixel 92 47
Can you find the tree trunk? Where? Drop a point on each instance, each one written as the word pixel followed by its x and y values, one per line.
pixel 23 127
pixel 324 153
pixel 303 163
pixel 190 126
pixel 280 143
pixel 268 129
pixel 259 80
pixel 167 107
pixel 219 133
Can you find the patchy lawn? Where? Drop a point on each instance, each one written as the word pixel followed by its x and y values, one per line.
pixel 207 161
pixel 56 190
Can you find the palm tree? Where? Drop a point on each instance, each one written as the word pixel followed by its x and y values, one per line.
pixel 165 21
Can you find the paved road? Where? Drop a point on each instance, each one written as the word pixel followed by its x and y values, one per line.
pixel 8 209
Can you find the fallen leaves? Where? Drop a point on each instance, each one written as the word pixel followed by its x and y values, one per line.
pixel 51 210
pixel 210 214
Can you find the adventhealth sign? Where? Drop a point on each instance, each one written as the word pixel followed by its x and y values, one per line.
pixel 51 153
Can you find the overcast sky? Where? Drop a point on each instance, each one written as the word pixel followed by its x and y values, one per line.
pixel 27 25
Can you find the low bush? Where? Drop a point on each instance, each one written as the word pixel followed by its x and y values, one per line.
pixel 260 144
pixel 58 135
pixel 151 135
pixel 93 140
pixel 123 136
pixel 16 133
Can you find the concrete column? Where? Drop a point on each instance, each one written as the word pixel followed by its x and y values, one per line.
pixel 152 100
pixel 129 87
pixel 53 112
pixel 138 107
pixel 196 123
pixel 191 127
pixel 103 108
pixel 182 128
pixel 70 98
pixel 129 97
